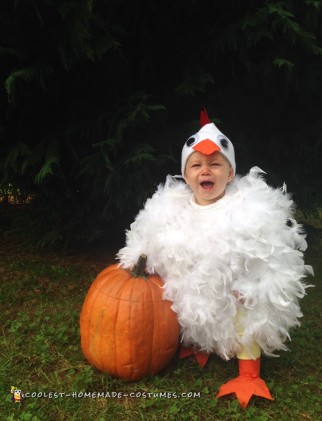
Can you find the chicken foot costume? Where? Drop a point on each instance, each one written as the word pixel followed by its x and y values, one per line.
pixel 247 243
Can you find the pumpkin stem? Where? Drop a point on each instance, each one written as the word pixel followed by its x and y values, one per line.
pixel 139 268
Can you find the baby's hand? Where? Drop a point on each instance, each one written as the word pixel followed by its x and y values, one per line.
pixel 239 296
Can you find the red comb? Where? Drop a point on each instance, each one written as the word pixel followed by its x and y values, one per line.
pixel 204 119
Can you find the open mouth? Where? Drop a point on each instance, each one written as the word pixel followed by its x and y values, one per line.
pixel 207 185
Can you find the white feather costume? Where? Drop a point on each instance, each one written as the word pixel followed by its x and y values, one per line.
pixel 204 254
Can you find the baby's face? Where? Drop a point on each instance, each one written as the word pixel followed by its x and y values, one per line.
pixel 208 175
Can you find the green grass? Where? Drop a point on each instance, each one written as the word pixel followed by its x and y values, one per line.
pixel 40 300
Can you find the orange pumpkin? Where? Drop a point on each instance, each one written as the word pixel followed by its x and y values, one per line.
pixel 127 329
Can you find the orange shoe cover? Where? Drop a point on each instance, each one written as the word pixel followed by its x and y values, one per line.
pixel 248 383
pixel 201 357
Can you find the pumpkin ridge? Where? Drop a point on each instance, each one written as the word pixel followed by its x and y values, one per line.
pixel 148 313
pixel 91 297
pixel 138 316
pixel 158 341
pixel 130 365
pixel 114 339
pixel 102 337
pixel 151 288
pixel 104 274
pixel 131 342
pixel 116 353
pixel 115 281
pixel 156 281
pixel 104 307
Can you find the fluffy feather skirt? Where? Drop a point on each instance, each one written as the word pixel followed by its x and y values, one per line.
pixel 247 245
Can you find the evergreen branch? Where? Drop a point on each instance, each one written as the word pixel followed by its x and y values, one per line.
pixel 314 3
pixel 20 149
pixel 34 72
pixel 107 144
pixel 40 18
pixel 51 157
pixel 134 112
pixel 281 62
pixel 194 82
pixel 141 153
pixel 20 54
pixel 277 9
pixel 46 169
pixel 34 158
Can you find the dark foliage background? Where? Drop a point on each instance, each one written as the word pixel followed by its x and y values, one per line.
pixel 98 96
